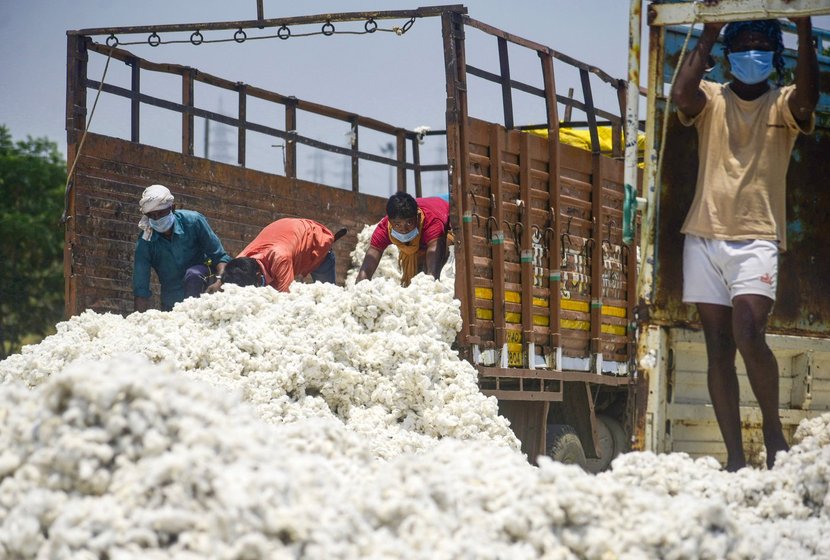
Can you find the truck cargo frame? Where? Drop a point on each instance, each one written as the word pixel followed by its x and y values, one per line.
pixel 552 316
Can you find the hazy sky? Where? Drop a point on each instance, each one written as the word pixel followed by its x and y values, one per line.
pixel 397 79
pixel 383 75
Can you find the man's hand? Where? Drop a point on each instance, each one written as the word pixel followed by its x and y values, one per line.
pixel 215 287
pixel 370 264
pixel 713 26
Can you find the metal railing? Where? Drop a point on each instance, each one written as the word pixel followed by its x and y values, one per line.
pixel 81 44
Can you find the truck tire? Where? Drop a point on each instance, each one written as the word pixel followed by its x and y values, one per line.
pixel 564 445
pixel 612 442
pixel 622 444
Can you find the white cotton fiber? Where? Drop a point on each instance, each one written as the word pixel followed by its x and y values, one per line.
pixel 340 423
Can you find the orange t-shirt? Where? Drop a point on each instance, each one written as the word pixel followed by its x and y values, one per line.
pixel 287 248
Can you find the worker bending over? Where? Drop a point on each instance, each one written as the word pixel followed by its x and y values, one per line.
pixel 418 228
pixel 179 245
pixel 737 223
pixel 283 250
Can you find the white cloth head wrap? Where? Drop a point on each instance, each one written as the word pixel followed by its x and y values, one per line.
pixel 155 197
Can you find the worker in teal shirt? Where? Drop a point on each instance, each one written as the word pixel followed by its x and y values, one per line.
pixel 179 245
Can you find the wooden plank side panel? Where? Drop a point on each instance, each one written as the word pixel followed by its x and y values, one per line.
pixel 523 200
pixel 238 203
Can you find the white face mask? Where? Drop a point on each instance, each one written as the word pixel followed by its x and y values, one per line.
pixel 164 223
pixel 405 237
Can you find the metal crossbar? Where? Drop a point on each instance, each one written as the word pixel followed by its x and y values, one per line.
pixel 733 10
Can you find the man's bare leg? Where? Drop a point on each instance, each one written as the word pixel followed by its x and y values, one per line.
pixel 722 379
pixel 749 320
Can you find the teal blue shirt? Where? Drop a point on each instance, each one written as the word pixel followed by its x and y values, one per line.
pixel 192 243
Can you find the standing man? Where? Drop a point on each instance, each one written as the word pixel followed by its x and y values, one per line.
pixel 284 249
pixel 177 244
pixel 737 221
pixel 418 228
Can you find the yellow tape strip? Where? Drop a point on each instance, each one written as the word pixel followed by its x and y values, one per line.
pixel 569 304
pixel 539 321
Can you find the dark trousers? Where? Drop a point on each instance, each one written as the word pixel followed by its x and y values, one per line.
pixel 195 280
pixel 326 271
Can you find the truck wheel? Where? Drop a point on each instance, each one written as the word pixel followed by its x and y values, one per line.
pixel 564 445
pixel 612 442
pixel 621 442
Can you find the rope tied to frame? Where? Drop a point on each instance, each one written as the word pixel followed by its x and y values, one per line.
pixel 66 189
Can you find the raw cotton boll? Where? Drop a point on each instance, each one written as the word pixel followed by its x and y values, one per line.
pixel 221 471
pixel 340 423
pixel 813 433
pixel 317 351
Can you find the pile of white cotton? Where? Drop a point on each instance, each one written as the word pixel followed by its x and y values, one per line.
pixel 339 423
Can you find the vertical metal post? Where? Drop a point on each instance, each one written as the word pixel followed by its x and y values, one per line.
pixel 355 159
pixel 569 108
pixel 617 127
pixel 497 242
pixel 632 121
pixel 416 161
pixel 243 122
pixel 187 113
pixel 554 189
pixel 527 248
pixel 459 172
pixel 135 102
pixel 400 136
pixel 290 143
pixel 648 233
pixel 207 139
pixel 596 227
pixel 590 113
pixel 76 69
pixel 506 89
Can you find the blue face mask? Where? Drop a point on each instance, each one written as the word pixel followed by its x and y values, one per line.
pixel 164 223
pixel 751 67
pixel 405 237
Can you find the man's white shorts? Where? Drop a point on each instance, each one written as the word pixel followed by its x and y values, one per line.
pixel 715 271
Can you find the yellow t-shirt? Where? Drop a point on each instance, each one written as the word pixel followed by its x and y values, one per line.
pixel 744 151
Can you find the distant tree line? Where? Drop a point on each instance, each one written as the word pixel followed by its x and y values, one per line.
pixel 32 178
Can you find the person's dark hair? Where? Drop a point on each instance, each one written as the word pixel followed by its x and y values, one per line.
pixel 401 205
pixel 769 27
pixel 241 271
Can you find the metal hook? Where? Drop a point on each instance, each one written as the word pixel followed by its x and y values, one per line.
pixel 488 228
pixel 607 240
pixel 514 230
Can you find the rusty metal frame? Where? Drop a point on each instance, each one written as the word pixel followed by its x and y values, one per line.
pixel 452 26
pixel 661 14
pixel 261 23
pixel 80 43
pixel 554 189
pixel 188 111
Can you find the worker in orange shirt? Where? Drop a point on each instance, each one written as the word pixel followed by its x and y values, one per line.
pixel 283 250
